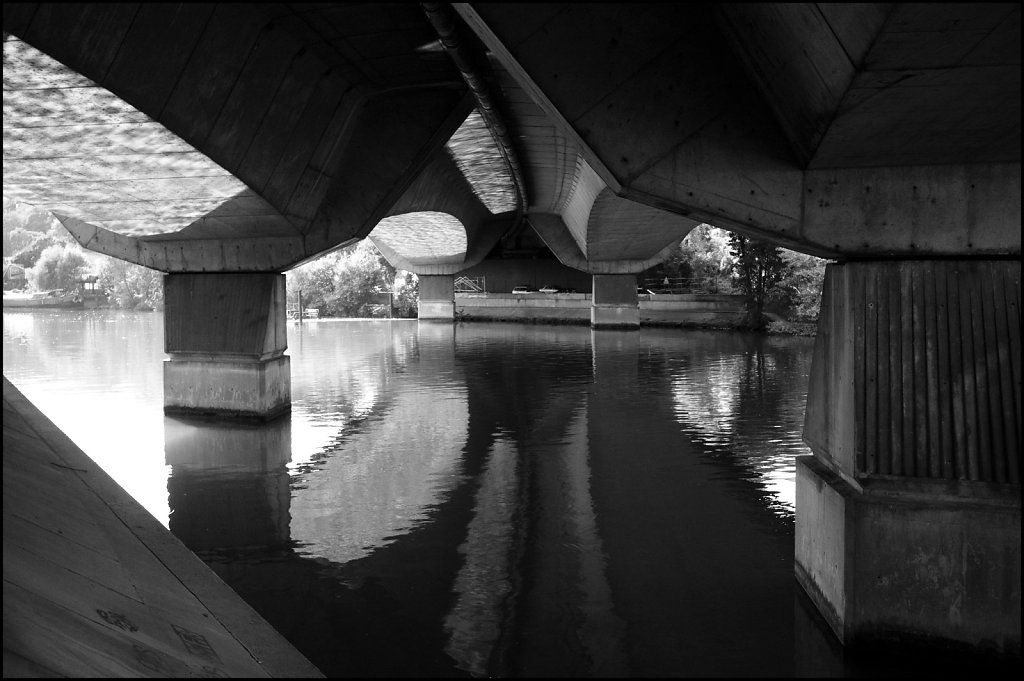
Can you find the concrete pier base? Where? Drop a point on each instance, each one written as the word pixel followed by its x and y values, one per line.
pixel 925 563
pixel 437 297
pixel 615 304
pixel 908 514
pixel 231 389
pixel 226 335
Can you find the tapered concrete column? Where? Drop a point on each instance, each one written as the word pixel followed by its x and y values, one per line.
pixel 614 303
pixel 908 513
pixel 225 334
pixel 437 297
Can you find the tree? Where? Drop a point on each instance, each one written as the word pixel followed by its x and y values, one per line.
pixel 17 215
pixel 28 231
pixel 27 246
pixel 702 258
pixel 344 283
pixel 315 281
pixel 758 268
pixel 801 287
pixel 362 272
pixel 59 267
pixel 407 294
pixel 675 266
pixel 706 249
pixel 131 286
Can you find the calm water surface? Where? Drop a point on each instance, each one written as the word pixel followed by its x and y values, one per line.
pixel 479 499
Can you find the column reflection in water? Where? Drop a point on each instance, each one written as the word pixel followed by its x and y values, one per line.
pixel 530 588
pixel 391 463
pixel 228 487
pixel 703 585
pixel 484 581
pixel 357 556
pixel 569 625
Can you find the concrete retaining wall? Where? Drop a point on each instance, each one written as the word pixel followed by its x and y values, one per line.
pixel 573 307
pixel 695 309
pixel 692 308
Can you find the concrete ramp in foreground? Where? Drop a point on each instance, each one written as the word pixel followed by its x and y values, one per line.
pixel 95 586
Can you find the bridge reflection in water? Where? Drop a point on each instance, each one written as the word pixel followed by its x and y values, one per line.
pixel 511 500
pixel 488 499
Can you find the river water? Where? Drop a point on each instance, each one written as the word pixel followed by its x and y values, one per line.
pixel 476 499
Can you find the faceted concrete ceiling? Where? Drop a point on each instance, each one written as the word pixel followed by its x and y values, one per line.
pixel 75 149
pixel 429 237
pixel 853 130
pixel 79 151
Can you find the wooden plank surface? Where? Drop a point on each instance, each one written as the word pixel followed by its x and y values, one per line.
pixel 95 586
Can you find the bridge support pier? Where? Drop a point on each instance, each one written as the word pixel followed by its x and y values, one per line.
pixel 226 337
pixel 908 513
pixel 614 303
pixel 437 297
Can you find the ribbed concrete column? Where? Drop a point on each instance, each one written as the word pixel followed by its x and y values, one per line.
pixel 908 514
pixel 437 297
pixel 614 303
pixel 225 334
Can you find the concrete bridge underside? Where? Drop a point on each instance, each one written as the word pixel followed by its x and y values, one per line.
pixel 225 144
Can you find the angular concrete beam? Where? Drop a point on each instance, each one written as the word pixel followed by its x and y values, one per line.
pixel 396 135
pixel 557 237
pixel 479 26
pixel 267 254
pixel 909 211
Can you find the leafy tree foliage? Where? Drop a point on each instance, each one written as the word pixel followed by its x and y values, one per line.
pixel 706 249
pixel 776 279
pixel 17 215
pixel 59 267
pixel 28 232
pixel 363 272
pixel 28 247
pixel 703 259
pixel 131 286
pixel 758 268
pixel 800 289
pixel 313 282
pixel 407 294
pixel 345 283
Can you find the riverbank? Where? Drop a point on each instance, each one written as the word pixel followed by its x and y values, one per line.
pixel 775 327
pixel 788 328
